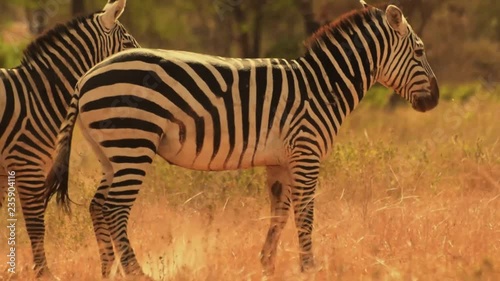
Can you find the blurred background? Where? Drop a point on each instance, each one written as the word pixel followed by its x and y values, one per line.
pixel 462 37
pixel 404 196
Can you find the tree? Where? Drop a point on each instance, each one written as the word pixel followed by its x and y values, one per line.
pixel 306 9
pixel 248 20
pixel 425 9
pixel 77 7
pixel 37 19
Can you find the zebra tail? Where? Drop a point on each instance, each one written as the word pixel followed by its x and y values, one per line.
pixel 57 179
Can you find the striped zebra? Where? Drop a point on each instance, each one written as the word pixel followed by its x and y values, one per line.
pixel 212 113
pixel 34 99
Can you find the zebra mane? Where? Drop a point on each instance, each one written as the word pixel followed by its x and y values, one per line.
pixel 35 47
pixel 344 22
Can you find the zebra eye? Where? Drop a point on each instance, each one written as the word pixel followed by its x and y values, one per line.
pixel 419 52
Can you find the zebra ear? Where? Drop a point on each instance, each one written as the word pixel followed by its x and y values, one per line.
pixel 364 4
pixel 396 20
pixel 112 11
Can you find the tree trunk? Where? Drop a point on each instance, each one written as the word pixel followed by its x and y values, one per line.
pixel 37 20
pixel 77 7
pixel 242 31
pixel 257 25
pixel 306 9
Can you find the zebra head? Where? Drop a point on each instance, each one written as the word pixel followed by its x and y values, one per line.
pixel 406 69
pixel 116 36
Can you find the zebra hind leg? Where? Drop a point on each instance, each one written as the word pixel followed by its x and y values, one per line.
pixel 125 155
pixel 129 172
pixel 99 222
pixel 279 190
pixel 101 228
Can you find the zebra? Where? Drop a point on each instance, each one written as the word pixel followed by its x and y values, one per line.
pixel 34 99
pixel 214 113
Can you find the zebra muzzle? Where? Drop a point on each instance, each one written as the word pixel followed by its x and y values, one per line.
pixel 426 100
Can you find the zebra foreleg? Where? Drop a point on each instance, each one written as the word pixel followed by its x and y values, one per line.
pixel 303 190
pixel 3 186
pixel 278 183
pixel 30 189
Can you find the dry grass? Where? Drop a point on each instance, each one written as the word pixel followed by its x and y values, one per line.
pixel 405 196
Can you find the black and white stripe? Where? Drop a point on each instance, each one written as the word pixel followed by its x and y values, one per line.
pixel 212 113
pixel 34 98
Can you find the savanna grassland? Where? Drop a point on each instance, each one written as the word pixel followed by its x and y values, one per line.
pixel 404 196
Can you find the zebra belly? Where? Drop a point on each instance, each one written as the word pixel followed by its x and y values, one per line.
pixel 188 154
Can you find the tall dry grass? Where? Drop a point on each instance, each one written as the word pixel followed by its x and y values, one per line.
pixel 404 196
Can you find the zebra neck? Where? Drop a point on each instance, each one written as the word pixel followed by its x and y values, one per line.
pixel 338 77
pixel 53 75
pixel 49 84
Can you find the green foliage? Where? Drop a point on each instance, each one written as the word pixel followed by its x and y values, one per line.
pixel 459 93
pixel 206 27
pixel 10 55
pixel 488 19
pixel 464 92
pixel 462 38
pixel 377 96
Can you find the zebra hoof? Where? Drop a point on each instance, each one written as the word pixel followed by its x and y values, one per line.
pixel 47 276
pixel 267 265
pixel 268 271
pixel 307 266
pixel 43 273
pixel 138 278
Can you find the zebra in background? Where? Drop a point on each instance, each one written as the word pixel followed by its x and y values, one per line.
pixel 212 113
pixel 34 99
